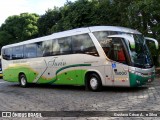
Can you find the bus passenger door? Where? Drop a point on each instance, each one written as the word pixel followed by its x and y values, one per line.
pixel 119 61
pixel 120 74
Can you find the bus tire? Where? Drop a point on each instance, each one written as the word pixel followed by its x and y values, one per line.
pixel 23 81
pixel 94 82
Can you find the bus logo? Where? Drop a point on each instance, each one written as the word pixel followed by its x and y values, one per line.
pixel 121 73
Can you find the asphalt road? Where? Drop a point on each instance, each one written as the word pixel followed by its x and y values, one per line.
pixel 74 98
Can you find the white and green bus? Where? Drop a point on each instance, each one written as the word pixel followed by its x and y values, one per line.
pixel 92 57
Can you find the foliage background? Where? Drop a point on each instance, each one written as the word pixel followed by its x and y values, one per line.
pixel 143 15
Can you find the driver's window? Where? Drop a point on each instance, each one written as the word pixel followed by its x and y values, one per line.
pixel 117 51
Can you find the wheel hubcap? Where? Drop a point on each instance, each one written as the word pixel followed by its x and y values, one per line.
pixel 23 81
pixel 93 83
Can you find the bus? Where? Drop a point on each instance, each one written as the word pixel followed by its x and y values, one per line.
pixel 92 57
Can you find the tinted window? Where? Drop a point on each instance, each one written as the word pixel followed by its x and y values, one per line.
pixel 47 48
pixel 7 53
pixel 17 52
pixel 64 45
pixel 102 35
pixel 30 50
pixel 56 47
pixel 83 44
pixel 113 47
pixel 39 49
pixel 116 51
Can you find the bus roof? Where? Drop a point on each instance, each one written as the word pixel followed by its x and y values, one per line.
pixel 75 32
pixel 113 28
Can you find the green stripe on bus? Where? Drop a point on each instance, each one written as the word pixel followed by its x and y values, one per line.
pixel 76 78
pixel 136 80
pixel 76 65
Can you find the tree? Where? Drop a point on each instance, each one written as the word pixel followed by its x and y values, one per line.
pixel 74 15
pixel 49 19
pixel 144 16
pixel 5 38
pixel 19 28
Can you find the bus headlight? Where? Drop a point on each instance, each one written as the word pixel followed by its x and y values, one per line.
pixel 131 71
pixel 137 73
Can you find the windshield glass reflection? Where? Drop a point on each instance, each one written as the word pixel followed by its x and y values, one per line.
pixel 141 56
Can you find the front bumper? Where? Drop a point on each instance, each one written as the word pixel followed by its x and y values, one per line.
pixel 140 79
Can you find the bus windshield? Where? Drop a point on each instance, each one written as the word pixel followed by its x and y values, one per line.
pixel 138 57
pixel 141 56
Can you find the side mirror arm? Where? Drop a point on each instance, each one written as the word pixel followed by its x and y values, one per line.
pixel 154 40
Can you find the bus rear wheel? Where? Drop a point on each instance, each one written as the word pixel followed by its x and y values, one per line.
pixel 23 81
pixel 94 82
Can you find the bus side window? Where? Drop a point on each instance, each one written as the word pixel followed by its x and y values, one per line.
pixel 17 52
pixel 47 48
pixel 56 47
pixel 39 49
pixel 77 44
pixel 7 53
pixel 84 44
pixel 117 51
pixel 30 50
pixel 64 45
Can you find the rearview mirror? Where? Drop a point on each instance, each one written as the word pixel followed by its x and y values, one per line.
pixel 154 40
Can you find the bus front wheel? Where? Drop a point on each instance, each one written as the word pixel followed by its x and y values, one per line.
pixel 94 82
pixel 23 80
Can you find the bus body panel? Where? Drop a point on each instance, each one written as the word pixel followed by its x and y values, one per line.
pixel 65 69
pixel 108 75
